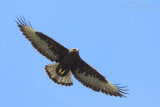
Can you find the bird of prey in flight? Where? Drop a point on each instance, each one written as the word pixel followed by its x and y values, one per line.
pixel 67 62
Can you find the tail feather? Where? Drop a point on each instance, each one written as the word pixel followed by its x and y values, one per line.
pixel 65 80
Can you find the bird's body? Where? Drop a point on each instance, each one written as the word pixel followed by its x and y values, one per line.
pixel 67 62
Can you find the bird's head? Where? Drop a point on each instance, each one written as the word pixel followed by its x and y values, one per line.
pixel 74 50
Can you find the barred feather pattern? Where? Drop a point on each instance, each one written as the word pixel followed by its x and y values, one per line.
pixel 95 82
pixel 63 80
pixel 48 47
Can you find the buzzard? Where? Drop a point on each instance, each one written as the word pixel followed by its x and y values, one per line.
pixel 67 62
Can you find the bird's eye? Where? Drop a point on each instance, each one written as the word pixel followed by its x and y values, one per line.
pixel 75 49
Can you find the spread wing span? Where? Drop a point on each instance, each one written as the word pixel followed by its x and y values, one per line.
pixel 67 60
pixel 91 78
pixel 48 47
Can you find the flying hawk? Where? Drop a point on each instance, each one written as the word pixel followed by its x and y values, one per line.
pixel 67 62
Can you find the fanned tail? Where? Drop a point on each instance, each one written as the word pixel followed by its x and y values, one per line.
pixel 65 80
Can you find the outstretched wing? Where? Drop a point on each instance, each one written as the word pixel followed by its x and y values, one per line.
pixel 89 77
pixel 44 44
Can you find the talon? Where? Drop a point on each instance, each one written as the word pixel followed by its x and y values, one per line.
pixel 63 72
pixel 60 70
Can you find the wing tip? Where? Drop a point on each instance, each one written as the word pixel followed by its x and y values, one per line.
pixel 121 90
pixel 21 21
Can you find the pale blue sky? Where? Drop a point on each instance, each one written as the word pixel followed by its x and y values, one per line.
pixel 119 38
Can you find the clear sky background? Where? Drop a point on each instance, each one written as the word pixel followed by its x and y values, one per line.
pixel 119 38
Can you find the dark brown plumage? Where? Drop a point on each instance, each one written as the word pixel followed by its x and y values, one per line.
pixel 68 62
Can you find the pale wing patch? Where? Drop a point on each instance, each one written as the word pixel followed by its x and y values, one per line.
pixel 38 43
pixel 44 44
pixel 96 84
